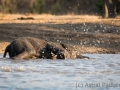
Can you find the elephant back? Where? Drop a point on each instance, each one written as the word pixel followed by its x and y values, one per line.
pixel 38 44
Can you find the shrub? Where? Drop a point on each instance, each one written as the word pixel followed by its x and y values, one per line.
pixel 99 6
pixel 38 6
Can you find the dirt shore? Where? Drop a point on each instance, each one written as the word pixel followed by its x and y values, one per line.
pixel 90 34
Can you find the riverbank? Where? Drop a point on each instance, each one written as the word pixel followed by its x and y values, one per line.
pixel 91 34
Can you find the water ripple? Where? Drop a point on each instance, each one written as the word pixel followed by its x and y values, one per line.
pixel 59 74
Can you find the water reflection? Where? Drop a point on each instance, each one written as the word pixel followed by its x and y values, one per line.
pixel 100 72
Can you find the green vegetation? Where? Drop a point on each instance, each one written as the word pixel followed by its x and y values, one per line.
pixel 56 8
pixel 37 7
pixel 49 6
pixel 99 6
pixel 7 6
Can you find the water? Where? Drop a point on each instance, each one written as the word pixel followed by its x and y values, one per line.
pixel 101 72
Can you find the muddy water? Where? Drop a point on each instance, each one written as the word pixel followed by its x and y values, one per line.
pixel 101 72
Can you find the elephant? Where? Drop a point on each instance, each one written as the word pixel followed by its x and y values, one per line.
pixel 30 47
pixel 110 8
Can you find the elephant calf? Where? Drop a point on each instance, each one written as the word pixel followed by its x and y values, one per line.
pixel 29 47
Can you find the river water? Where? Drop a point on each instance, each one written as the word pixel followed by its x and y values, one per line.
pixel 100 72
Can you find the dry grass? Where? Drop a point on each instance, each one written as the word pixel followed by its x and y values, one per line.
pixel 59 19
pixel 46 18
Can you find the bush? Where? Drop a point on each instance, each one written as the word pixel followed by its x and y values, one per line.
pixel 56 8
pixel 99 6
pixel 38 6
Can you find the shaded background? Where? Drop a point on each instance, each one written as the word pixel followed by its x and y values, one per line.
pixel 51 6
